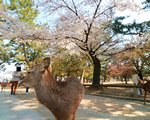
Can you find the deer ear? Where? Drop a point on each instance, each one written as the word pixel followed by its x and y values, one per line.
pixel 42 70
pixel 46 62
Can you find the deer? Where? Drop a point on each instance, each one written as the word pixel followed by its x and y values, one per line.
pixel 62 98
pixel 3 85
pixel 146 88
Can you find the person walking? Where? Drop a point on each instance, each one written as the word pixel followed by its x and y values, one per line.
pixel 136 79
pixel 27 88
pixel 15 79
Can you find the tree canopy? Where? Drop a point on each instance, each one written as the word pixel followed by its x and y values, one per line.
pixel 83 26
pixel 134 28
pixel 24 9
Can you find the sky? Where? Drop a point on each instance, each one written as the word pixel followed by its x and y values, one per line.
pixel 133 15
pixel 140 15
pixel 8 72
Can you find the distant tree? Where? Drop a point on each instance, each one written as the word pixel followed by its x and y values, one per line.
pixel 132 28
pixel 28 52
pixel 137 55
pixel 20 31
pixel 68 65
pixel 121 70
pixel 12 28
pixel 24 9
pixel 104 70
pixel 5 52
pixel 146 4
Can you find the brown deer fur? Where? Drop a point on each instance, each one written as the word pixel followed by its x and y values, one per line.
pixel 3 85
pixel 61 98
pixel 146 87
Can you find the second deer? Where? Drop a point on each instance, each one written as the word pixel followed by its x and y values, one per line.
pixel 146 87
pixel 3 85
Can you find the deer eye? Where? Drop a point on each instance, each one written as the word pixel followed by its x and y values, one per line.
pixel 29 72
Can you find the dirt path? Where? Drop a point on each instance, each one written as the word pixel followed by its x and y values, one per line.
pixel 103 108
pixel 12 108
pixel 26 107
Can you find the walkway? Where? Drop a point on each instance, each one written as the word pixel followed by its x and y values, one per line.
pixel 12 108
pixel 26 107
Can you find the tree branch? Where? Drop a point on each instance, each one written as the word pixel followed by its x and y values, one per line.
pixel 103 12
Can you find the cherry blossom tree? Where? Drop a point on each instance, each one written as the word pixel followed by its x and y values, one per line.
pixel 11 27
pixel 86 25
pixel 26 41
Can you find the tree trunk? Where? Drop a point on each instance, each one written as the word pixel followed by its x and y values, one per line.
pixel 96 71
pixel 82 76
pixel 125 79
pixel 140 75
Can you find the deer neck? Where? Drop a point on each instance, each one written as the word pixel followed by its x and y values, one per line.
pixel 48 78
pixel 141 83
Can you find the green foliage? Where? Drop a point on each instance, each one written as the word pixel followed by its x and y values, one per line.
pixel 5 52
pixel 117 26
pixel 67 65
pixel 24 52
pixel 24 9
pixel 147 4
pixel 27 52
pixel 137 57
pixel 17 50
pixel 133 28
pixel 129 29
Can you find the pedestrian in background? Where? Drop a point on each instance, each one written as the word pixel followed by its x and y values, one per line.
pixel 27 88
pixel 15 79
pixel 136 79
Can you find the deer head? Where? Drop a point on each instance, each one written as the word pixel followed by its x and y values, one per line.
pixel 141 82
pixel 34 75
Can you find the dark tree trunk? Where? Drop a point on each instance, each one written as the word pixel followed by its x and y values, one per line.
pixel 140 75
pixel 125 79
pixel 96 71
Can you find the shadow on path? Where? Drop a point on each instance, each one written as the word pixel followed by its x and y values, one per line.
pixel 26 107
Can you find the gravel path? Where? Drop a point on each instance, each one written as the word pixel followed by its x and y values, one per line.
pixel 26 107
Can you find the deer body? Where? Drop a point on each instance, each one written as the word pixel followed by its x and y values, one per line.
pixel 61 98
pixel 146 87
pixel 3 85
